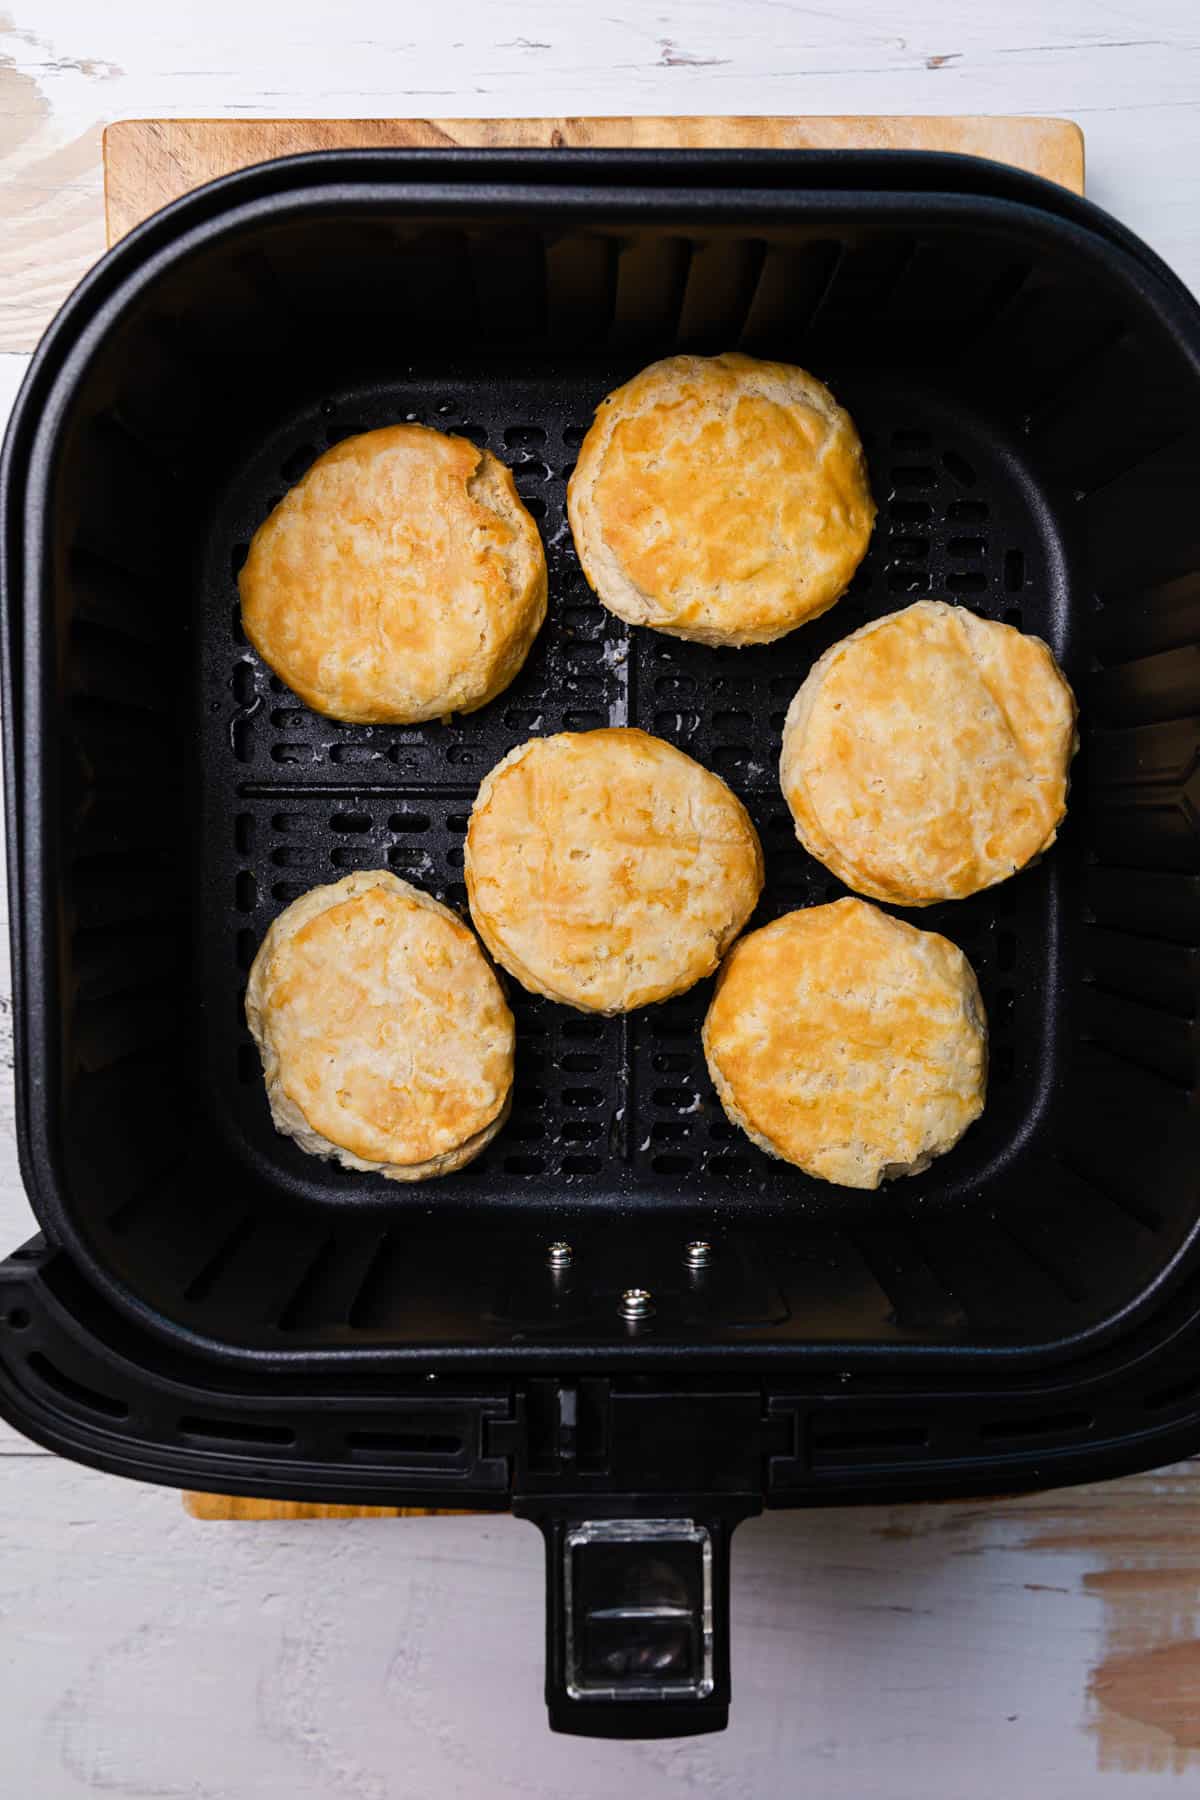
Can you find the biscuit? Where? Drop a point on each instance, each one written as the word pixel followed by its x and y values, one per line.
pixel 385 1037
pixel 401 579
pixel 607 870
pixel 848 1042
pixel 720 498
pixel 926 755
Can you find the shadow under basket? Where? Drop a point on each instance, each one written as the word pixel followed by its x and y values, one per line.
pixel 1026 377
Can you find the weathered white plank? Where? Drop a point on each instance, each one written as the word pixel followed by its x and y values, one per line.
pixel 16 1219
pixel 921 1651
pixel 916 1651
pixel 1128 73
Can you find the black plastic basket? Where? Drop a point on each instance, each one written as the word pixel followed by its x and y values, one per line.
pixel 209 1307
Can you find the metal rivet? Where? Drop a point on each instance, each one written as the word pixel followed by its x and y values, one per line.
pixel 559 1255
pixel 697 1253
pixel 636 1303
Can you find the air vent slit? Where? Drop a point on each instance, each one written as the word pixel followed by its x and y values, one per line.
pixel 683 279
pixel 1045 1425
pixel 203 1283
pixel 360 1308
pixel 295 1306
pixel 829 1443
pixel 1067 1287
pixel 1139 1210
pixel 1072 374
pixel 836 254
pixel 930 1253
pixel 1176 1393
pixel 1171 1082
pixel 743 308
pixel 237 1431
pixel 67 1388
pixel 404 1444
pixel 901 1273
pixel 1151 1004
pixel 124 1213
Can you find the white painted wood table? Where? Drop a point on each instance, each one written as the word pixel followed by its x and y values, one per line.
pixel 1045 1645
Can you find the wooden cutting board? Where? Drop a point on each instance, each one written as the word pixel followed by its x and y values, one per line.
pixel 148 162
pixel 230 1506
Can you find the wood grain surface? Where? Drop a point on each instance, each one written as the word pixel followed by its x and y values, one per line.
pixel 970 1651
pixel 148 162
pixel 229 1508
pixel 1046 1646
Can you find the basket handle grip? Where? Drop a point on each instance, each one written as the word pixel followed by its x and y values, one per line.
pixel 637 1625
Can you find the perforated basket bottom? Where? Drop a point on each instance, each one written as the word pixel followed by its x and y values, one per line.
pixel 607 1110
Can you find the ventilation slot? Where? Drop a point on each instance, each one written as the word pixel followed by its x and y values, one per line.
pixel 67 1388
pixel 371 1284
pixel 203 1284
pixel 884 1441
pixel 792 285
pixel 236 1431
pixel 123 1215
pixel 1052 1266
pixel 1045 1425
pixel 960 468
pixel 1138 1209
pixel 523 1165
pixel 307 1291
pixel 1177 1393
pixel 581 1165
pixel 390 1445
pixel 917 1299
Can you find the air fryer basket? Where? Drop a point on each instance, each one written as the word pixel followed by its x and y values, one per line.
pixel 1027 381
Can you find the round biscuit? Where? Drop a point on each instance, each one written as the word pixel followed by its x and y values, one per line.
pixel 608 870
pixel 385 1037
pixel 720 498
pixel 926 755
pixel 848 1042
pixel 401 579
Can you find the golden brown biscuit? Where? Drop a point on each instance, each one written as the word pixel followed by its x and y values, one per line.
pixel 848 1042
pixel 385 1037
pixel 926 755
pixel 607 869
pixel 720 498
pixel 400 579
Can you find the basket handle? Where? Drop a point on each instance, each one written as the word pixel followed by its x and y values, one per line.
pixel 637 1625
